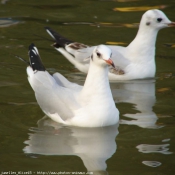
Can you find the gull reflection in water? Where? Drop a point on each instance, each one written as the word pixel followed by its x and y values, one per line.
pixel 140 93
pixel 93 145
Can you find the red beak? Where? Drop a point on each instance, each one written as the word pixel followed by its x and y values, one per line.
pixel 110 62
pixel 172 24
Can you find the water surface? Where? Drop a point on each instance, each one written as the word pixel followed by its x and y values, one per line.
pixel 143 142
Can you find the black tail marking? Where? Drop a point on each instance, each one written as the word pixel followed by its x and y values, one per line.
pixel 60 40
pixel 34 59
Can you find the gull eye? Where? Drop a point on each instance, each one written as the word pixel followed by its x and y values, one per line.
pixel 159 19
pixel 98 54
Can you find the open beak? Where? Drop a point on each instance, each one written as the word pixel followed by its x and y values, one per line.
pixel 172 24
pixel 110 62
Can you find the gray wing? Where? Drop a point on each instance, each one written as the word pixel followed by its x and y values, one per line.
pixel 118 56
pixel 61 80
pixel 83 52
pixel 80 52
pixel 52 96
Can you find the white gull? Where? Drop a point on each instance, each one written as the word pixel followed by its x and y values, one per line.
pixel 136 61
pixel 91 105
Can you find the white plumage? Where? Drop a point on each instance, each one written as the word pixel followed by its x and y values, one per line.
pixel 136 61
pixel 90 105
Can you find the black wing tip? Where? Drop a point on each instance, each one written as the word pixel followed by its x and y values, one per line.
pixel 31 46
pixel 51 31
pixel 47 28
pixel 60 40
pixel 34 59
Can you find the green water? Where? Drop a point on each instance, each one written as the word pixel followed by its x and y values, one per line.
pixel 143 143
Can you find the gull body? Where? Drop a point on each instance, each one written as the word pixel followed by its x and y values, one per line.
pixel 90 105
pixel 136 61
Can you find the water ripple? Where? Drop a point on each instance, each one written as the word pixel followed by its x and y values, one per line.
pixel 104 24
pixel 146 148
pixel 151 163
pixel 141 8
pixel 6 22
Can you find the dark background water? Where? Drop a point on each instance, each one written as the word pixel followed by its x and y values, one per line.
pixel 147 107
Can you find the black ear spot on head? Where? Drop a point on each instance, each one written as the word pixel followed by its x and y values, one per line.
pixel 148 23
pixel 98 54
pixel 92 57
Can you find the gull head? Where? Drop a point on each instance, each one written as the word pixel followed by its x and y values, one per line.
pixel 102 56
pixel 156 19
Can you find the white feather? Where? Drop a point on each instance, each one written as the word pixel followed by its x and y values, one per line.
pixel 137 60
pixel 90 105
